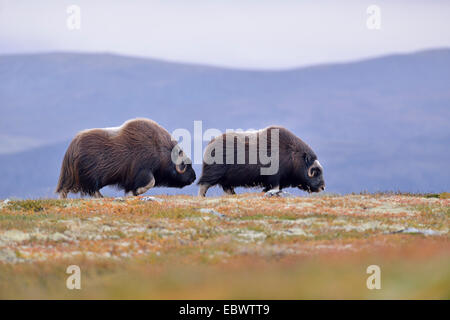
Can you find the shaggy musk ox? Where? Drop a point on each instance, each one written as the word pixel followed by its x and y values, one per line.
pixel 297 164
pixel 135 157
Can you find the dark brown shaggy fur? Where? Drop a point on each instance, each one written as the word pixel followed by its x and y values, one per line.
pixel 295 158
pixel 130 157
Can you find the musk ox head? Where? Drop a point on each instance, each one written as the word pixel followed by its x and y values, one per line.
pixel 311 174
pixel 180 172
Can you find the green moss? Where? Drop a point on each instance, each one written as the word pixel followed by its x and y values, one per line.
pixel 20 221
pixel 431 195
pixel 36 205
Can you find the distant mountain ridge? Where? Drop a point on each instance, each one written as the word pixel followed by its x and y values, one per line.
pixel 377 124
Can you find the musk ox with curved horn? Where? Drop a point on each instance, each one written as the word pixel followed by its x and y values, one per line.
pixel 272 158
pixel 135 157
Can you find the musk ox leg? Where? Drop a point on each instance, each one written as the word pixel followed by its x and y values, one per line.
pixel 276 189
pixel 97 194
pixel 274 192
pixel 63 194
pixel 202 190
pixel 150 183
pixel 228 190
pixel 267 189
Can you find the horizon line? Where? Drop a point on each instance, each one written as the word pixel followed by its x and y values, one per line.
pixel 227 67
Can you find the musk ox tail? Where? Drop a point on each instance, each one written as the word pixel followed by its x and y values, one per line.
pixel 68 177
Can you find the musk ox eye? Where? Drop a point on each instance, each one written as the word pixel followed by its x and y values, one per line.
pixel 308 159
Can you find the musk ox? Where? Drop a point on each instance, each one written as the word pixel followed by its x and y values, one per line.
pixel 135 157
pixel 272 158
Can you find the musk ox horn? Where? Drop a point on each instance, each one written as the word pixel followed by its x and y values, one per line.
pixel 316 164
pixel 181 162
pixel 181 168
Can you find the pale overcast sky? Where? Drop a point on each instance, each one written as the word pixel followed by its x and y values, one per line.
pixel 233 33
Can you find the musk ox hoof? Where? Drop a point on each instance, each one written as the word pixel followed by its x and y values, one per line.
pixel 277 193
pixel 148 198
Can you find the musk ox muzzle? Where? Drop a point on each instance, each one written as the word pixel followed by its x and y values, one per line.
pixel 134 157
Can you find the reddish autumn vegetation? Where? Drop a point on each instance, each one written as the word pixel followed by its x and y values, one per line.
pixel 241 246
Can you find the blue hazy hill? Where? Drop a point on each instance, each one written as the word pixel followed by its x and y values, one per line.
pixel 377 124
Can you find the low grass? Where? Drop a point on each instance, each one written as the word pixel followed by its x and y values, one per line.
pixel 277 248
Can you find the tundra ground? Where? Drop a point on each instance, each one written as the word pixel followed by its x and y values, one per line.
pixel 244 246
